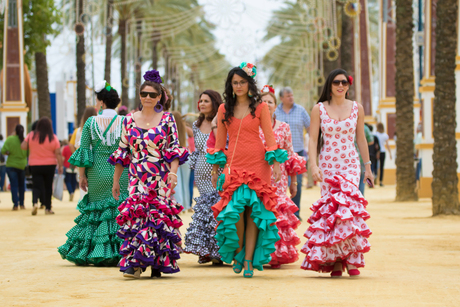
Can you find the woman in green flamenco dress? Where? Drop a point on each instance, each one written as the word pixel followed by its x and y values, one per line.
pixel 93 239
pixel 246 215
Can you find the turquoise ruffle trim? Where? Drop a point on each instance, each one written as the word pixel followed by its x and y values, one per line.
pixel 227 237
pixel 218 158
pixel 83 157
pixel 279 155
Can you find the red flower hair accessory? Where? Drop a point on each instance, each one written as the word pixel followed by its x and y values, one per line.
pixel 268 89
pixel 350 80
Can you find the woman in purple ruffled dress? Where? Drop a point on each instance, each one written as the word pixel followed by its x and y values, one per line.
pixel 149 219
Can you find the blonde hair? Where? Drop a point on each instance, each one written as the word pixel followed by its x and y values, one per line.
pixel 268 93
pixel 181 129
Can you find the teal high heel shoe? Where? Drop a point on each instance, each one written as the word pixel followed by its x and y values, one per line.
pixel 248 273
pixel 237 267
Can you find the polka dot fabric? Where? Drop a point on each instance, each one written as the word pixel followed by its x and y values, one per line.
pixel 338 229
pixel 93 239
pixel 149 217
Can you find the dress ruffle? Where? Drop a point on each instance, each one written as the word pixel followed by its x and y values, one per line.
pixel 149 227
pixel 287 222
pixel 338 229
pixel 279 155
pixel 93 239
pixel 295 165
pixel 193 158
pixel 200 236
pixel 176 152
pixel 216 157
pixel 265 192
pixel 227 237
pixel 120 156
pixel 82 157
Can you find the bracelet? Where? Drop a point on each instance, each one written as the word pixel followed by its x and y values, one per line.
pixel 368 162
pixel 213 173
pixel 213 127
pixel 295 183
pixel 174 174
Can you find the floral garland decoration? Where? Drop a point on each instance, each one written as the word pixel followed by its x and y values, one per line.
pixel 102 85
pixel 249 69
pixel 268 89
pixel 153 76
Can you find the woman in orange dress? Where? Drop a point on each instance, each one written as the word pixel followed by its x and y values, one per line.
pixel 246 231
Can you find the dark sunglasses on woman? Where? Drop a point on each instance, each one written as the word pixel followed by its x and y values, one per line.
pixel 337 82
pixel 151 94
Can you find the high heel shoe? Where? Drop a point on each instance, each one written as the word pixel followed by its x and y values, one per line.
pixel 248 273
pixel 336 274
pixel 354 272
pixel 237 267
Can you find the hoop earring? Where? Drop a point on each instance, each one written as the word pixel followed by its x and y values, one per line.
pixel 100 110
pixel 158 107
pixel 234 95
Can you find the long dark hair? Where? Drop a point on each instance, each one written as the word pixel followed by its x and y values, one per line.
pixel 166 97
pixel 20 132
pixel 230 101
pixel 216 101
pixel 326 96
pixel 44 129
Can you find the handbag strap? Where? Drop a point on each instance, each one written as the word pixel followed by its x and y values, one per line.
pixel 105 133
pixel 237 136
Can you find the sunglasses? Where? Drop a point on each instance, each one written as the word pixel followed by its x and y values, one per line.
pixel 337 82
pixel 151 94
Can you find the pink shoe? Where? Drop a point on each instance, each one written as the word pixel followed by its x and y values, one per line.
pixel 354 273
pixel 336 274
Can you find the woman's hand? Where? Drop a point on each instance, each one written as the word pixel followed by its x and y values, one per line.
pixel 84 183
pixel 368 175
pixel 214 180
pixel 60 170
pixel 293 188
pixel 317 174
pixel 276 171
pixel 116 190
pixel 172 180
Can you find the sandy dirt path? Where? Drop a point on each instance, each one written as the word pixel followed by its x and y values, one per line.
pixel 414 261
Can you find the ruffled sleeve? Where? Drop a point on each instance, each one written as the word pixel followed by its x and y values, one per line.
pixel 83 156
pixel 295 164
pixel 216 154
pixel 122 154
pixel 173 149
pixel 273 152
pixel 192 159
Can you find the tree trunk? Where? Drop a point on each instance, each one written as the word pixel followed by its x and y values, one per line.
pixel 138 65
pixel 155 51
pixel 124 79
pixel 405 171
pixel 81 67
pixel 41 71
pixel 444 185
pixel 346 51
pixel 108 41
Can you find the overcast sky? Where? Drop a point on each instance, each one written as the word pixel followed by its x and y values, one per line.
pixel 240 28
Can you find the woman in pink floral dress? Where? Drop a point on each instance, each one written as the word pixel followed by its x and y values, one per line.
pixel 286 251
pixel 338 235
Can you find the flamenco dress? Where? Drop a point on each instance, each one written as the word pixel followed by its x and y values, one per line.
pixel 247 183
pixel 286 251
pixel 93 239
pixel 200 236
pixel 338 231
pixel 149 218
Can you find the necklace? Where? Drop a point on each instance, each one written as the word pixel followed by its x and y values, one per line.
pixel 148 124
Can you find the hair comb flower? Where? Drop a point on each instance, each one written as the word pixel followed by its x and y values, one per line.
pixel 350 80
pixel 102 85
pixel 153 76
pixel 249 69
pixel 268 89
